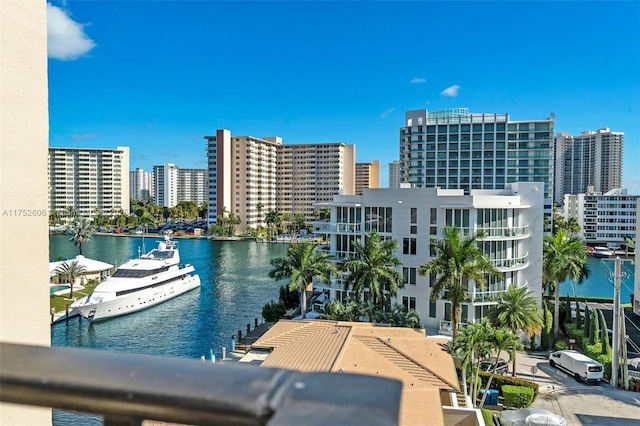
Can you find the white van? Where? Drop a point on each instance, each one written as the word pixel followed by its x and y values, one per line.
pixel 578 365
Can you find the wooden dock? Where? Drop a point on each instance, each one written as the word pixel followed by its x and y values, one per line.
pixel 243 343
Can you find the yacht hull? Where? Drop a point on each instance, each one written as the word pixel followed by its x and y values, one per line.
pixel 136 301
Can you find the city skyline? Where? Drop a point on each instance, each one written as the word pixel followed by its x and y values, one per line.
pixel 159 76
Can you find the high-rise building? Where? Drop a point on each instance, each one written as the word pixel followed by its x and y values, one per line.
pixel 141 185
pixel 192 185
pixel 367 176
pixel 511 218
pixel 394 174
pixel 605 219
pixel 313 173
pixel 88 180
pixel 242 176
pixel 165 178
pixel 592 159
pixel 462 150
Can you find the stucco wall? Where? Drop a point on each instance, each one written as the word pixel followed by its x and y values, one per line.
pixel 24 248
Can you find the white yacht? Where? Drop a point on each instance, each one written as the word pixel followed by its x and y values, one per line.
pixel 602 252
pixel 140 283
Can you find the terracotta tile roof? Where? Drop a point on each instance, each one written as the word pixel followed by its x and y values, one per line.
pixel 423 365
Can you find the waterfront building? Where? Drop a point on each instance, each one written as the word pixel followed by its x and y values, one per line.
pixel 192 185
pixel 431 392
pixel 313 173
pixel 512 219
pixel 24 132
pixel 165 185
pixel 605 219
pixel 141 185
pixel 241 176
pixel 636 282
pixel 90 181
pixel 592 159
pixel 394 174
pixel 456 149
pixel 367 176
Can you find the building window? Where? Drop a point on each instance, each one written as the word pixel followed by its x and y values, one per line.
pixel 432 308
pixel 409 275
pixel 409 302
pixel 409 246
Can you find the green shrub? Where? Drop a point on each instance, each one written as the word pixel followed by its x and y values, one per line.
pixel 517 396
pixel 499 381
pixel 273 311
pixel 561 345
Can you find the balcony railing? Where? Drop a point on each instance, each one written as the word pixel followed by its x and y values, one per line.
pixel 511 264
pixel 130 388
pixel 337 228
pixel 479 296
pixel 505 232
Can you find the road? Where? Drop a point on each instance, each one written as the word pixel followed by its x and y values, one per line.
pixel 579 403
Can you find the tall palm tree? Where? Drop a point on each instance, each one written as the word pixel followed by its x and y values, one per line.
pixel 471 345
pixel 81 231
pixel 501 340
pixel 563 258
pixel 71 271
pixel 302 263
pixel 273 218
pixel 458 260
pixel 517 310
pixel 374 267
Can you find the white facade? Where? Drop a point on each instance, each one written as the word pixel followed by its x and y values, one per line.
pixel 192 185
pixel 604 219
pixel 394 174
pixel 89 180
pixel 512 218
pixel 141 184
pixel 592 159
pixel 166 185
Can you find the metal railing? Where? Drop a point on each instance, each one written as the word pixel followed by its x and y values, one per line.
pixel 129 388
pixel 337 227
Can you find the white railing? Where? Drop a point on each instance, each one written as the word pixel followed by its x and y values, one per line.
pixel 511 263
pixel 505 232
pixel 479 296
pixel 337 228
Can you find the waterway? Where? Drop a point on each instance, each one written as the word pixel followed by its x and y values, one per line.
pixel 600 280
pixel 234 287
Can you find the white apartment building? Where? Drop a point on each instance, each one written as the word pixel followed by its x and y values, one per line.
pixel 592 159
pixel 367 176
pixel 192 185
pixel 165 185
pixel 512 219
pixel 89 180
pixel 456 149
pixel 604 219
pixel 241 176
pixel 394 174
pixel 313 173
pixel 141 184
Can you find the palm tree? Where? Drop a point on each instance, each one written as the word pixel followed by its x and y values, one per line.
pixel 302 264
pixel 501 340
pixel 471 345
pixel 562 257
pixel 81 231
pixel 273 219
pixel 374 267
pixel 457 261
pixel 71 271
pixel 517 311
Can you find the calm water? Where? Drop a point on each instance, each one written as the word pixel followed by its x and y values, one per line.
pixel 234 286
pixel 600 281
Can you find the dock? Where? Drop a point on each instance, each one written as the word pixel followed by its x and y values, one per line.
pixel 243 343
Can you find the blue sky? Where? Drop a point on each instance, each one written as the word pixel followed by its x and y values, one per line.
pixel 159 75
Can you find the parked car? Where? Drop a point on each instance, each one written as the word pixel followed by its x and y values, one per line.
pixel 489 364
pixel 578 365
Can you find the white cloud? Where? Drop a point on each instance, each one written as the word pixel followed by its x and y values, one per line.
pixel 452 91
pixel 417 80
pixel 386 113
pixel 83 137
pixel 66 38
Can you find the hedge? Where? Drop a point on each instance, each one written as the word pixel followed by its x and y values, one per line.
pixel 499 381
pixel 517 396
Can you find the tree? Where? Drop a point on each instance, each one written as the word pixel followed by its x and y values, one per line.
pixel 517 311
pixel 458 260
pixel 338 311
pixel 501 340
pixel 374 267
pixel 81 231
pixel 563 257
pixel 604 335
pixel 400 316
pixel 54 217
pixel 471 345
pixel 273 219
pixel 146 219
pixel 71 271
pixel 594 328
pixel 302 263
